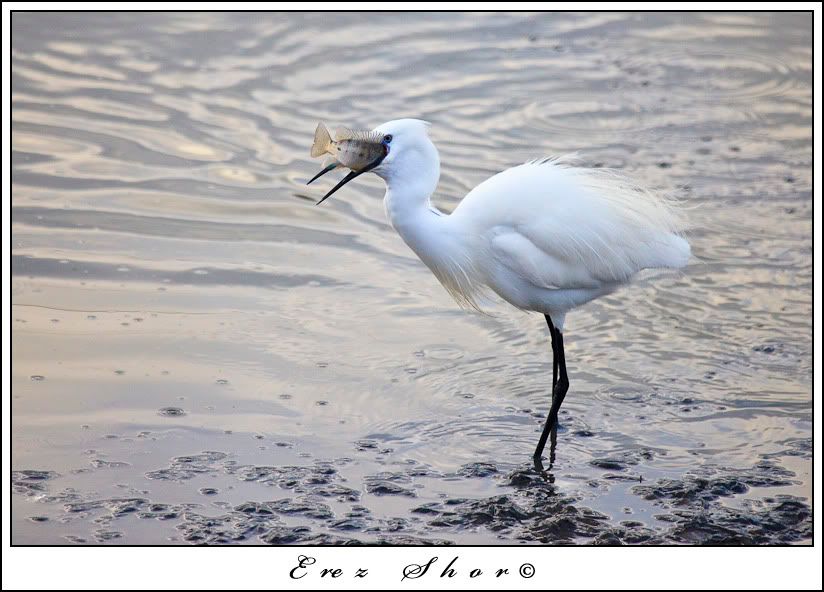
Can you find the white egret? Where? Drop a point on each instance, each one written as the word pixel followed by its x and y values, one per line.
pixel 546 236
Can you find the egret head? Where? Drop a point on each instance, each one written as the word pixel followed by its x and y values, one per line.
pixel 406 153
pixel 409 148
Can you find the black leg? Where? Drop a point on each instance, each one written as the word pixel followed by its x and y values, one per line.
pixel 559 389
pixel 554 352
pixel 562 387
pixel 545 434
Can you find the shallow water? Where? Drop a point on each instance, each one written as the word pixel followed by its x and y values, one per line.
pixel 201 355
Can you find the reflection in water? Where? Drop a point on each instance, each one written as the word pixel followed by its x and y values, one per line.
pixel 185 321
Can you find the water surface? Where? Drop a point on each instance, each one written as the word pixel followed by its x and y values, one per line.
pixel 202 355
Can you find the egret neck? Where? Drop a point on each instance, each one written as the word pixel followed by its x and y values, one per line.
pixel 426 230
pixel 409 186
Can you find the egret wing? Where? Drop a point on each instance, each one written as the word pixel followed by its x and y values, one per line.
pixel 526 260
pixel 561 227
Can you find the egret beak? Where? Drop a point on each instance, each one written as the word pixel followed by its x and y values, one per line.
pixel 323 172
pixel 347 178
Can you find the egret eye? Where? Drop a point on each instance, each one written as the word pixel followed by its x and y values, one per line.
pixel 387 138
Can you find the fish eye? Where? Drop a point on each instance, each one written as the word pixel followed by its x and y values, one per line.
pixel 387 138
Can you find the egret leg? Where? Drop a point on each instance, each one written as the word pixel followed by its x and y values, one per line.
pixel 554 353
pixel 559 390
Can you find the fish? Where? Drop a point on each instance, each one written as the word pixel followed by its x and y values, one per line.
pixel 354 150
pixel 359 151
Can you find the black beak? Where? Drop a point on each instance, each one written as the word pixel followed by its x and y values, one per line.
pixel 347 178
pixel 323 172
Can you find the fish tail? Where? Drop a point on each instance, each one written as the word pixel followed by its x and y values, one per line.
pixel 322 141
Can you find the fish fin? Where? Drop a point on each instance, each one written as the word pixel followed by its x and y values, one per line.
pixel 322 141
pixel 344 133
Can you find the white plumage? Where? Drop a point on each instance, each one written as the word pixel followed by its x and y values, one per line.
pixel 556 236
pixel 546 236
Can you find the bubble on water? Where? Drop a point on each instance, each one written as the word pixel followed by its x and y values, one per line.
pixel 171 412
pixel 107 464
pixel 627 397
pixel 208 491
pixel 443 353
